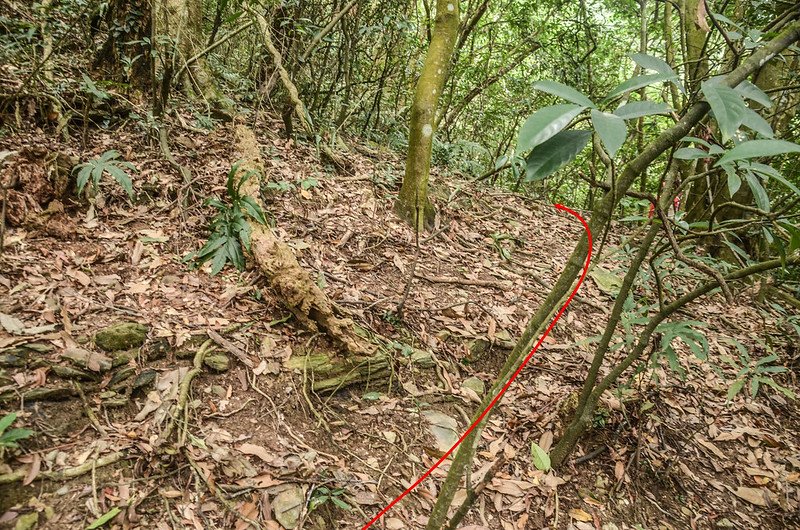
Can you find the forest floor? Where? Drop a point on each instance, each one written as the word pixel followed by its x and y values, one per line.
pixel 259 445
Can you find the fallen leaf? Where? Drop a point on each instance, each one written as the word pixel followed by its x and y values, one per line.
pixel 757 496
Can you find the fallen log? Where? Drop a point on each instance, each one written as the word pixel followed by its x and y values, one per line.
pixel 286 277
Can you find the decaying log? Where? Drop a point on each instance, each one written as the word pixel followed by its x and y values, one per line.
pixel 286 277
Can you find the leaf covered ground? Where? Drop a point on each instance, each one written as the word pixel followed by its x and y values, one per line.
pixel 256 444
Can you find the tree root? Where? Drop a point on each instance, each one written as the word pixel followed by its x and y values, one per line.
pixel 64 474
pixel 183 393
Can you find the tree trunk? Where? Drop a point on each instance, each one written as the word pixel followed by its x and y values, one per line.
pixel 182 21
pixel 413 205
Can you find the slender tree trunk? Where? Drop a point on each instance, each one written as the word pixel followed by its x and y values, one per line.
pixel 413 204
pixel 601 215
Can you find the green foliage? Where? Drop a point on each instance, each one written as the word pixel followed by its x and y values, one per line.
pixel 540 458
pixel 611 129
pixel 109 162
pixel 9 438
pixel 754 373
pixel 230 228
pixel 544 124
pixel 685 332
pixel 555 153
pixel 323 495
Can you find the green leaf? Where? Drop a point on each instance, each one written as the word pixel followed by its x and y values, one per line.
pixel 103 519
pixel 341 504
pixel 696 140
pixel 758 149
pixel 122 178
pixel 653 63
pixel 690 153
pixel 759 193
pixel 734 181
pixel 544 124
pixel 783 181
pixel 639 109
pixel 563 91
pixel 639 81
pixel 753 121
pixel 753 93
pixel 754 385
pixel 550 156
pixel 735 388
pixel 7 420
pixel 611 129
pixel 219 261
pixel 540 459
pixel 728 107
pixel 254 210
pixel 83 176
pixel 13 435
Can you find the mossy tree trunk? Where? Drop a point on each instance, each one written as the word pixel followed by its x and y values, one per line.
pixel 178 33
pixel 413 205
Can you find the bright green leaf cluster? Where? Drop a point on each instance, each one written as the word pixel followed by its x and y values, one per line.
pixel 109 162
pixel 230 228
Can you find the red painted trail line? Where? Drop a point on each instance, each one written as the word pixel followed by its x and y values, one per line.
pixel 511 380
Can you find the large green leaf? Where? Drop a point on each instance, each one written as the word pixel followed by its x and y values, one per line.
pixel 771 172
pixel 759 193
pixel 757 149
pixel 544 124
pixel 540 458
pixel 559 150
pixel 734 180
pixel 611 129
pixel 638 109
pixel 728 107
pixel 563 91
pixel 638 82
pixel 752 92
pixel 7 420
pixel 653 63
pixel 690 153
pixel 753 121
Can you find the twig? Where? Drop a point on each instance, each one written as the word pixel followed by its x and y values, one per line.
pixel 163 143
pixel 411 274
pixel 588 456
pixel 65 474
pixel 697 265
pixel 538 279
pixel 208 49
pixel 230 347
pixel 294 95
pixel 327 29
pixel 89 412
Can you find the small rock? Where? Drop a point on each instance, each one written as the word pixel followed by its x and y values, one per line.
pixel 217 362
pixel 144 379
pixel 94 361
pixel 474 384
pixel 288 505
pixel 65 372
pixel 121 336
pixel 121 358
pixel 9 360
